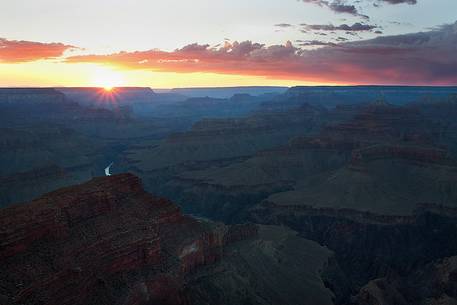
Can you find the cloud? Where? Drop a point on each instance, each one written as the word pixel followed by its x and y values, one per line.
pixel 379 3
pixel 337 6
pixel 417 58
pixel 13 51
pixel 399 1
pixel 341 39
pixel 314 43
pixel 284 25
pixel 348 7
pixel 356 27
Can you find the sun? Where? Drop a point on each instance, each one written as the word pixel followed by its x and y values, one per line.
pixel 106 78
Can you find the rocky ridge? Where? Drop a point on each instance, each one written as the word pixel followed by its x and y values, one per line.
pixel 104 242
pixel 107 241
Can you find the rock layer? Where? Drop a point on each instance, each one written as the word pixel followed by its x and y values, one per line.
pixel 104 242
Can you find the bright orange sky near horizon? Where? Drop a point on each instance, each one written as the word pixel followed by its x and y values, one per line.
pixel 46 74
pixel 205 43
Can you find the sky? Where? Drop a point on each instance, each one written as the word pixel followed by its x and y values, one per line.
pixel 199 43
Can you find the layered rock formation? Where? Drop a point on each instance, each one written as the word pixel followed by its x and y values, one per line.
pixel 25 106
pixel 385 259
pixel 350 178
pixel 434 284
pixel 344 95
pixel 385 160
pixel 395 163
pixel 215 143
pixel 100 98
pixel 277 268
pixel 39 159
pixel 48 141
pixel 102 242
pixel 226 92
pixel 109 242
pixel 217 139
pixel 30 96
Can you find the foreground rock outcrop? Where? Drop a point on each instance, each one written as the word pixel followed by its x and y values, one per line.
pixel 107 241
pixel 104 242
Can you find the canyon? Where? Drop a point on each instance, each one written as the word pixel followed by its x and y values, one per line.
pixel 107 241
pixel 314 195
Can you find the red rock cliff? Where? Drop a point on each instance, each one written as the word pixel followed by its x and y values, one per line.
pixel 104 242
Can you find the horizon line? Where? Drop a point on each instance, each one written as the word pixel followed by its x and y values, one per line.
pixel 225 87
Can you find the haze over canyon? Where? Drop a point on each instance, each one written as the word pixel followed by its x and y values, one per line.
pixel 230 152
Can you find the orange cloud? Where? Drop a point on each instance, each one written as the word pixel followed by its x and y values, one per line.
pixel 418 58
pixel 14 51
pixel 237 58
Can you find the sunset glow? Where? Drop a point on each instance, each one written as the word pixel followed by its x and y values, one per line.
pixel 228 152
pixel 307 42
pixel 107 78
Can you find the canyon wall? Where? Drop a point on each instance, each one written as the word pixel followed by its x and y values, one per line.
pixel 105 242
